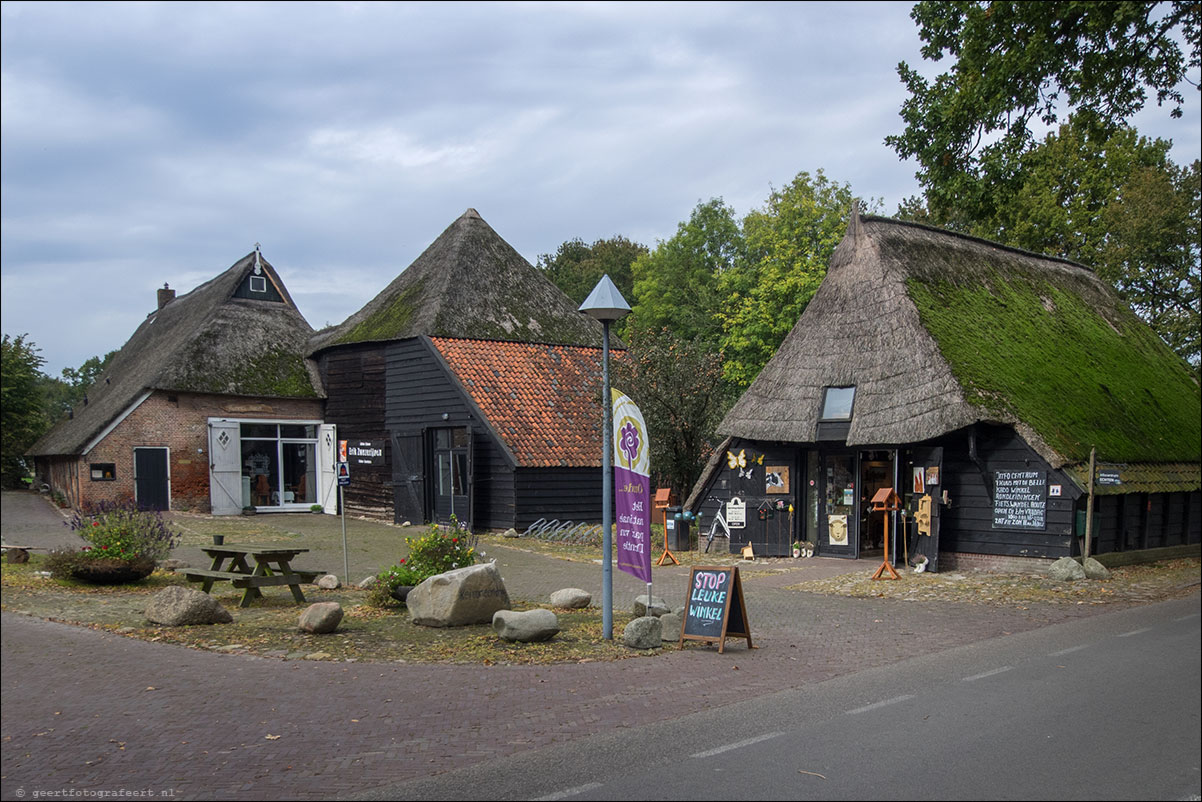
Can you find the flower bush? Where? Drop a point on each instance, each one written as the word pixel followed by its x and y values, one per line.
pixel 435 552
pixel 125 543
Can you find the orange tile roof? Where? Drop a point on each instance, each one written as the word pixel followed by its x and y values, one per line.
pixel 541 399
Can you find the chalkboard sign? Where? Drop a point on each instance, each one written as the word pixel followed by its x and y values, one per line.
pixel 715 609
pixel 1020 500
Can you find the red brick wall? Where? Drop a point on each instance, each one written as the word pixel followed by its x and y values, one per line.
pixel 178 422
pixel 956 561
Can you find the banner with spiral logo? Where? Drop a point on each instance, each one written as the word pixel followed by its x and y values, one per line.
pixel 632 488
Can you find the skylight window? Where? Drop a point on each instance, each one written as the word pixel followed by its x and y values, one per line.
pixel 837 403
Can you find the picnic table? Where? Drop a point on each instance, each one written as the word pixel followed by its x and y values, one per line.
pixel 272 567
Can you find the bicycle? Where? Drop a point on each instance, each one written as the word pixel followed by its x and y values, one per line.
pixel 719 520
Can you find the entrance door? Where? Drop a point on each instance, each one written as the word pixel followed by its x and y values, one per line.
pixel 151 484
pixel 876 471
pixel 838 519
pixel 452 474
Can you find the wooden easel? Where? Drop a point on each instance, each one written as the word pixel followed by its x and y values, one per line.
pixel 886 501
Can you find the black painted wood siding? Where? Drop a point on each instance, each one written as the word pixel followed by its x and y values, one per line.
pixel 967 524
pixel 567 494
pixel 354 378
pixel 419 393
pixel 1146 520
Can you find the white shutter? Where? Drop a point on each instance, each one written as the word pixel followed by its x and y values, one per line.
pixel 327 477
pixel 225 468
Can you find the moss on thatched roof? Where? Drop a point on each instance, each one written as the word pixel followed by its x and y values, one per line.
pixel 469 283
pixel 938 331
pixel 207 341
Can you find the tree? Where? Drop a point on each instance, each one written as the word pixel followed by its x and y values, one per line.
pixel 61 395
pixel 1020 63
pixel 676 284
pixel 788 245
pixel 576 268
pixel 678 386
pixel 23 419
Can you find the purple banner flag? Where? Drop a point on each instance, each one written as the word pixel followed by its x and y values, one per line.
pixel 632 488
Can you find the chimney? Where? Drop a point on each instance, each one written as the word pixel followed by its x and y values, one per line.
pixel 166 295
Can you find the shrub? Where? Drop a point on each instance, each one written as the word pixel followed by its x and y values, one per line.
pixel 435 552
pixel 121 531
pixel 83 566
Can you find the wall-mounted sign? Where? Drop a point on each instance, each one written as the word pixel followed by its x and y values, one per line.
pixel 1020 500
pixel 836 526
pixel 736 513
pixel 1109 477
pixel 920 480
pixel 715 609
pixel 365 452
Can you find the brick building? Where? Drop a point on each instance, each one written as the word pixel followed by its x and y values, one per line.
pixel 210 406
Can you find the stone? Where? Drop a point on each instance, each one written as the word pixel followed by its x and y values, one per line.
pixel 178 606
pixel 645 632
pixel 529 626
pixel 511 532
pixel 1066 569
pixel 316 656
pixel 173 564
pixel 671 623
pixel 655 606
pixel 458 598
pixel 321 618
pixel 328 582
pixel 571 598
pixel 1094 569
pixel 367 582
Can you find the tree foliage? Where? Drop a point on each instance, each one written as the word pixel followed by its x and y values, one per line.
pixel 23 418
pixel 678 386
pixel 59 395
pixel 1018 64
pixel 787 247
pixel 576 268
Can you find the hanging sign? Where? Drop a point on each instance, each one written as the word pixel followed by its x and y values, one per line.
pixel 632 488
pixel 716 609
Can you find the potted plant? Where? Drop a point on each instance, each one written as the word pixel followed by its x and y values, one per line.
pixel 124 544
pixel 796 548
pixel 315 508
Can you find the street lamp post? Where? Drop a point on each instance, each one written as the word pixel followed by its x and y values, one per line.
pixel 606 304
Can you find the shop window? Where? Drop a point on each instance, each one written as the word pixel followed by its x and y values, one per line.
pixel 837 403
pixel 103 471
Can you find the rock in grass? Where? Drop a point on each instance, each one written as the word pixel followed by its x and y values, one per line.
pixel 529 626
pixel 177 606
pixel 654 605
pixel 1094 569
pixel 458 598
pixel 571 598
pixel 321 618
pixel 644 633
pixel 1066 569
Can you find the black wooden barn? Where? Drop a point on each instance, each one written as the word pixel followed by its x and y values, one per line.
pixel 976 376
pixel 479 378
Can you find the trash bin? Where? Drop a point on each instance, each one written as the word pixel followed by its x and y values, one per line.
pixel 676 524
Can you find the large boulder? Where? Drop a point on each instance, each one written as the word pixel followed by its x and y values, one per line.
pixel 321 618
pixel 671 624
pixel 529 626
pixel 571 598
pixel 177 606
pixel 1066 569
pixel 1094 569
pixel 650 605
pixel 644 633
pixel 458 598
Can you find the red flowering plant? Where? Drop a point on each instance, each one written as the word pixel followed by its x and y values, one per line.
pixel 436 552
pixel 124 543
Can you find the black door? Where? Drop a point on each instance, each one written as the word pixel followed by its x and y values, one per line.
pixel 451 474
pixel 151 489
pixel 838 517
pixel 408 480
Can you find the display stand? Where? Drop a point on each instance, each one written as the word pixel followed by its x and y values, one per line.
pixel 886 501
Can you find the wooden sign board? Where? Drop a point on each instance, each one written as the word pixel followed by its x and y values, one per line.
pixel 715 610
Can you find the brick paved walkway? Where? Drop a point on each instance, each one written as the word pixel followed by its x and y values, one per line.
pixel 90 710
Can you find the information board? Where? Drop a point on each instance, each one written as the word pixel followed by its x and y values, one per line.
pixel 715 608
pixel 1020 500
pixel 365 452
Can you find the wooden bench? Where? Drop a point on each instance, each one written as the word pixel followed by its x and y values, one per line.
pixel 271 568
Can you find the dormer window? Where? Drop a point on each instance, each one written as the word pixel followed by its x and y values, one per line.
pixel 837 403
pixel 258 284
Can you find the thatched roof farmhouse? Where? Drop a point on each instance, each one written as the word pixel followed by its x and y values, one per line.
pixel 999 369
pixel 231 350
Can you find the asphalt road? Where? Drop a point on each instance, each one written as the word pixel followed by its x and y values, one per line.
pixel 1101 708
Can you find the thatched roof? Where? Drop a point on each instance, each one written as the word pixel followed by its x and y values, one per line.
pixel 468 283
pixel 207 341
pixel 938 331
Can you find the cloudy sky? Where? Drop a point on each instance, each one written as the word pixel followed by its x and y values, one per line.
pixel 154 143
